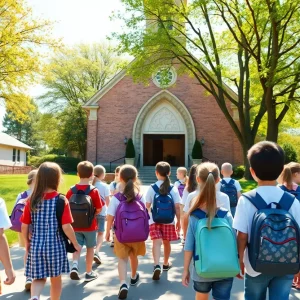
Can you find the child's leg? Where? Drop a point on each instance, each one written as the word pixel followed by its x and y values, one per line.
pixel 37 287
pixel 167 251
pixel 134 262
pixel 80 241
pixel 122 268
pixel 89 259
pixel 156 250
pixel 99 241
pixel 56 287
pixel 200 296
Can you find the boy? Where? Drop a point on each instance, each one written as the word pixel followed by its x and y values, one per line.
pixel 102 187
pixel 266 160
pixel 86 236
pixel 229 186
pixel 4 253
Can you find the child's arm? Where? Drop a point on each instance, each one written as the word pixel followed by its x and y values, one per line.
pixel 239 194
pixel 107 200
pixel 177 208
pixel 110 220
pixel 5 259
pixel 68 230
pixel 185 223
pixel 186 265
pixel 25 234
pixel 242 240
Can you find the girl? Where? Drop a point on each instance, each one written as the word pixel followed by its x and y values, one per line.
pixel 47 256
pixel 162 233
pixel 208 176
pixel 130 188
pixel 23 197
pixel 102 187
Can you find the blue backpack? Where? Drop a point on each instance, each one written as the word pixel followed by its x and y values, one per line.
pixel 163 207
pixel 230 190
pixel 293 192
pixel 275 236
pixel 215 254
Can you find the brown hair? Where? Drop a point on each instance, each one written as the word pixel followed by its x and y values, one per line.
pixel 31 176
pixel 209 174
pixel 117 170
pixel 98 172
pixel 286 177
pixel 164 169
pixel 192 183
pixel 48 177
pixel 85 169
pixel 129 175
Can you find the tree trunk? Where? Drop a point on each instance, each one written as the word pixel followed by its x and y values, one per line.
pixel 273 126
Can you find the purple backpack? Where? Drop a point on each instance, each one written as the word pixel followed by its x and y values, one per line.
pixel 181 188
pixel 131 220
pixel 17 213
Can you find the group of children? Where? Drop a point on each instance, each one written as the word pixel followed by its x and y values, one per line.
pixel 164 213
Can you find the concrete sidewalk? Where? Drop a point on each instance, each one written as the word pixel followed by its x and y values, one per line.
pixel 107 285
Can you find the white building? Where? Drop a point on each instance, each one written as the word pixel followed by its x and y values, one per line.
pixel 12 151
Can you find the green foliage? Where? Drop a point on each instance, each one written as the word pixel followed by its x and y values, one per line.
pixel 68 164
pixel 293 139
pixel 197 150
pixel 290 153
pixel 130 151
pixel 238 172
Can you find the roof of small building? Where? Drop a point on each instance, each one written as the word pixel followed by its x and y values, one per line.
pixel 8 140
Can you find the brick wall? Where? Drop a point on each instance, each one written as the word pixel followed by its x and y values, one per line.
pixel 120 106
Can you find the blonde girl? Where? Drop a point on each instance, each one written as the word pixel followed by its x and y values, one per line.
pixel 208 175
pixel 129 186
pixel 47 255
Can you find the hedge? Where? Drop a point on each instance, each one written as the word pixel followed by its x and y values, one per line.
pixel 238 172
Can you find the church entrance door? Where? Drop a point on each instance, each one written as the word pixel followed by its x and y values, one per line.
pixel 164 147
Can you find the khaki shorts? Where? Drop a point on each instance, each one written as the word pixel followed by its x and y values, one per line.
pixel 124 250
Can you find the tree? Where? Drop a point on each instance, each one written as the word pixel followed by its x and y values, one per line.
pixel 189 37
pixel 22 36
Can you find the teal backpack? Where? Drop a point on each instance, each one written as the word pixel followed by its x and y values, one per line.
pixel 215 254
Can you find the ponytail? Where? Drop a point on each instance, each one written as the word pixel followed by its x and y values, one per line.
pixel 129 190
pixel 286 177
pixel 128 175
pixel 94 180
pixel 163 169
pixel 164 188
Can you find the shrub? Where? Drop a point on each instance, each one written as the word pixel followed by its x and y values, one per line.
pixel 68 164
pixel 238 172
pixel 290 153
pixel 130 152
pixel 33 161
pixel 197 150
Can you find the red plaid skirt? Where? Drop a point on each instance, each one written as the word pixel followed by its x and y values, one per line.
pixel 163 231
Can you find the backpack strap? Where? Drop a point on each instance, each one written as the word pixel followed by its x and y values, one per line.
pixel 221 213
pixel 223 181
pixel 155 188
pixel 120 196
pixel 231 182
pixel 24 195
pixel 283 187
pixel 256 199
pixel 74 189
pixel 89 189
pixel 199 214
pixel 286 201
pixel 60 206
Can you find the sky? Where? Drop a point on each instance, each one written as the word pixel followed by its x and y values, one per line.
pixel 76 21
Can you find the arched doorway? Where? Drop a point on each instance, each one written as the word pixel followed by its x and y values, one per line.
pixel 164 130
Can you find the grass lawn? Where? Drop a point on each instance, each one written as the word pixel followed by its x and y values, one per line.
pixel 12 185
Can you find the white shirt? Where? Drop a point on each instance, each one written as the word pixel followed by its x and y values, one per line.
pixel 222 200
pixel 227 179
pixel 114 188
pixel 4 218
pixel 104 192
pixel 184 196
pixel 114 203
pixel 151 193
pixel 245 211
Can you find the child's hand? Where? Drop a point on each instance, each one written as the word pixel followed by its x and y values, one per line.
pixel 11 276
pixel 77 247
pixel 178 227
pixel 27 246
pixel 107 236
pixel 242 270
pixel 186 278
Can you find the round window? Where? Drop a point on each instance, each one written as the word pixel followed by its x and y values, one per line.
pixel 165 77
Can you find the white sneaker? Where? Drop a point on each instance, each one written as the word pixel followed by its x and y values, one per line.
pixel 28 283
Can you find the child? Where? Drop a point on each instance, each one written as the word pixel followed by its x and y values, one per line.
pixel 208 176
pixel 162 233
pixel 290 178
pixel 23 197
pixel 99 173
pixel 229 186
pixel 4 253
pixel 46 242
pixel 85 236
pixel 130 189
pixel 266 161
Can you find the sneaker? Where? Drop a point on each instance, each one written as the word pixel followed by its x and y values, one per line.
pixel 136 280
pixel 90 277
pixel 123 291
pixel 167 267
pixel 156 272
pixel 74 275
pixel 28 283
pixel 112 244
pixel 97 258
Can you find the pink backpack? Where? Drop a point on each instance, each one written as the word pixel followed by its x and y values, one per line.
pixel 131 220
pixel 17 213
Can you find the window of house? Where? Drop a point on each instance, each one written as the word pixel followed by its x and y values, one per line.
pixel 14 155
pixel 18 158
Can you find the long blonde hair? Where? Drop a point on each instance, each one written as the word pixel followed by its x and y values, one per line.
pixel 47 177
pixel 286 177
pixel 129 175
pixel 209 174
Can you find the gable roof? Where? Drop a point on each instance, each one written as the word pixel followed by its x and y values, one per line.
pixel 8 140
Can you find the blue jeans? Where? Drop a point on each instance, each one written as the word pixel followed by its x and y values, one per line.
pixel 220 289
pixel 279 287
